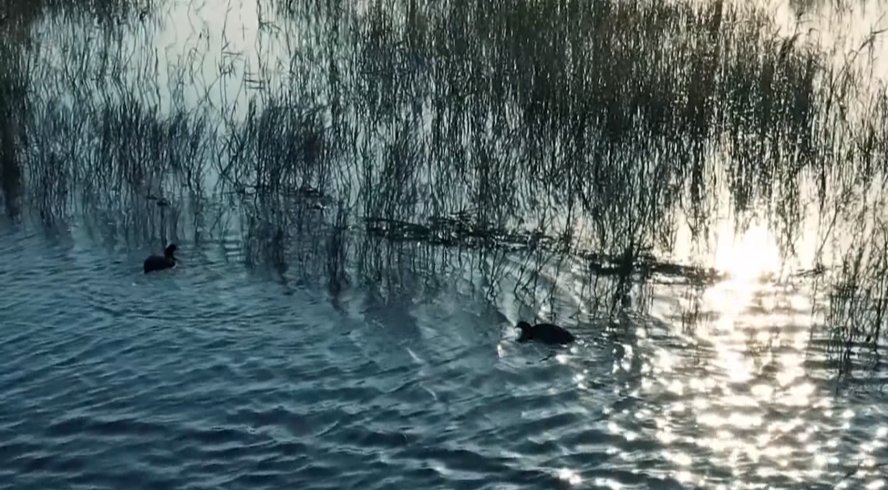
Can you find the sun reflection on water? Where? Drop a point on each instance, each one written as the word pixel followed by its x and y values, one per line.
pixel 738 397
pixel 569 476
pixel 750 256
pixel 744 395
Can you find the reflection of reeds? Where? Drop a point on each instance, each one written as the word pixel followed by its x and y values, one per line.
pixel 546 129
pixel 12 105
pixel 859 297
pixel 276 151
pixel 534 119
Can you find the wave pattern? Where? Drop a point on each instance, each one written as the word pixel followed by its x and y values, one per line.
pixel 212 378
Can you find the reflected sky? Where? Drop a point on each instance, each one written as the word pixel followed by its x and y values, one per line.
pixel 840 28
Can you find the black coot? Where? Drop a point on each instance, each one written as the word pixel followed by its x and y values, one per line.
pixel 546 333
pixel 158 263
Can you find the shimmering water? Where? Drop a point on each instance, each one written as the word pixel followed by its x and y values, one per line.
pixel 302 343
pixel 217 376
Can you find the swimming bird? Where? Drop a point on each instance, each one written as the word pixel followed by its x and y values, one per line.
pixel 546 333
pixel 158 263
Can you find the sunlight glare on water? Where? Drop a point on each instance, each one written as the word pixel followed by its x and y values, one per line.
pixel 748 256
pixel 755 404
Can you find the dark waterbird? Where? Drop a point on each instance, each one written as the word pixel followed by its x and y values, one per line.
pixel 158 263
pixel 545 333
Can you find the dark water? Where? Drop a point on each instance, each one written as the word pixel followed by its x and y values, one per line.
pixel 216 376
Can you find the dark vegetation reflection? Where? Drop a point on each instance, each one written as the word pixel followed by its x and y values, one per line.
pixel 390 145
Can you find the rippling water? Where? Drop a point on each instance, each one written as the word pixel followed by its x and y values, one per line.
pixel 212 376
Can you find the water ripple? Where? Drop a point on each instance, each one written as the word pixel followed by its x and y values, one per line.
pixel 201 379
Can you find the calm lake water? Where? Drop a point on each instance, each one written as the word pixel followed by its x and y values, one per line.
pixel 367 196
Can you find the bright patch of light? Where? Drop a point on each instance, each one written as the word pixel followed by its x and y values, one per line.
pixel 749 256
pixel 569 476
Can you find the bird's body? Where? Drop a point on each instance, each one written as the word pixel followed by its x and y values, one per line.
pixel 545 333
pixel 159 263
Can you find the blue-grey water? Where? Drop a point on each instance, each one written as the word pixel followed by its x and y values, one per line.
pixel 216 375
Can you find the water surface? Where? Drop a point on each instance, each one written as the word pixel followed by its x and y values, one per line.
pixel 215 375
pixel 367 195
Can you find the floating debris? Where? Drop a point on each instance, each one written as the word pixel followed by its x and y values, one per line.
pixel 460 230
pixel 161 202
